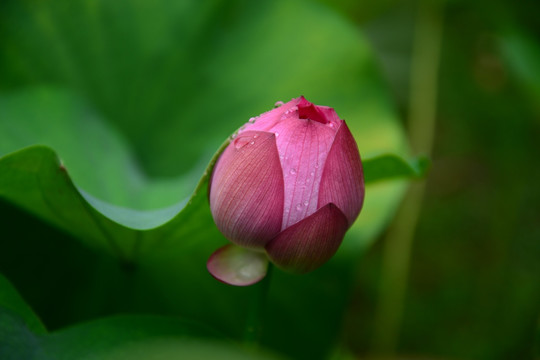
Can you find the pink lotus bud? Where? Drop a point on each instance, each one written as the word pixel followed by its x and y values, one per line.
pixel 289 185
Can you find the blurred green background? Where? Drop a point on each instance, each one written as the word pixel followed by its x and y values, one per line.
pixel 157 86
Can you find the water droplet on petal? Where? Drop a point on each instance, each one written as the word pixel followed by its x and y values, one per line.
pixel 306 203
pixel 255 136
pixel 252 120
pixel 293 171
pixel 242 140
pixel 240 143
pixel 299 207
pixel 312 173
pixel 278 104
pixel 277 134
pixel 316 166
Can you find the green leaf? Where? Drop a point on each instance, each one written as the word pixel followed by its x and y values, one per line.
pixel 33 178
pixel 22 336
pixel 90 148
pixel 119 337
pixel 18 325
pixel 389 166
pixel 141 337
pixel 11 301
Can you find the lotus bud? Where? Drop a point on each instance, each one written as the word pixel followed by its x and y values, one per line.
pixel 285 190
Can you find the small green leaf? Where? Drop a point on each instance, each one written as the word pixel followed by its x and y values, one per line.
pixel 390 166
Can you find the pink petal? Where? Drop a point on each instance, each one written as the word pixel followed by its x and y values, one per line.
pixel 342 180
pixel 237 266
pixel 267 120
pixel 303 146
pixel 246 191
pixel 309 243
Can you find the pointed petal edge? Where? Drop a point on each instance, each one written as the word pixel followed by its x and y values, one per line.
pixel 342 181
pixel 308 110
pixel 309 243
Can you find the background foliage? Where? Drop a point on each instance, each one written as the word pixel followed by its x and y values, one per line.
pixel 108 246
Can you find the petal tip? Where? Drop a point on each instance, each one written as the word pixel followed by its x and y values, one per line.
pixel 342 181
pixel 308 244
pixel 233 265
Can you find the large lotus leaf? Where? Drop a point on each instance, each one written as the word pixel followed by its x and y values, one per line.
pixel 134 97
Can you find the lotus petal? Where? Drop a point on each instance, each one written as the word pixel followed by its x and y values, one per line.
pixel 246 176
pixel 308 244
pixel 342 181
pixel 237 266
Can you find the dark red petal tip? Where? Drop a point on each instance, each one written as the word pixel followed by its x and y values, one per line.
pixel 308 244
pixel 307 110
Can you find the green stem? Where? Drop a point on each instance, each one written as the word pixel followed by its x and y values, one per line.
pixel 422 114
pixel 254 323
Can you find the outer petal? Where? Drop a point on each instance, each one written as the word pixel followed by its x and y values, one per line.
pixel 342 180
pixel 246 191
pixel 269 119
pixel 308 244
pixel 237 266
